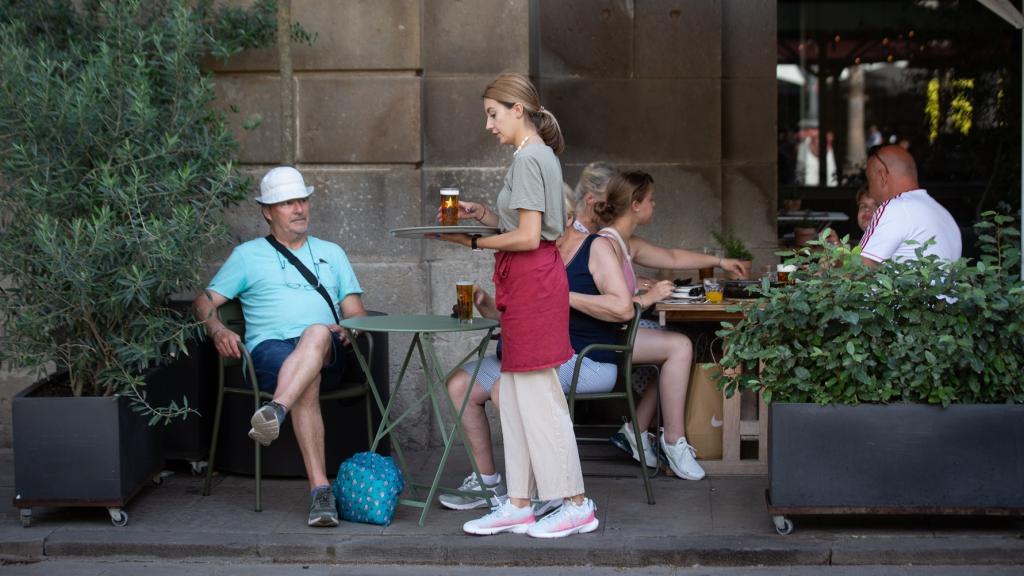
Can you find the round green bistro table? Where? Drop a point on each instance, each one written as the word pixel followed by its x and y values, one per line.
pixel 423 328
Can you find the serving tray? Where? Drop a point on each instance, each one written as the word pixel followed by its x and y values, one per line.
pixel 433 231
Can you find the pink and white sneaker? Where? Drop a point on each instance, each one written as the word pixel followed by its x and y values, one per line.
pixel 506 517
pixel 569 519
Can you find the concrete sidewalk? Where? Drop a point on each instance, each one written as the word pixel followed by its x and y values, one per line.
pixel 717 521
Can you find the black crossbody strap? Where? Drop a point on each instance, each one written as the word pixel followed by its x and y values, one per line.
pixel 309 276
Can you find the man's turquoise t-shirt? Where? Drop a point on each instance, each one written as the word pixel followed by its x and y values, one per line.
pixel 277 301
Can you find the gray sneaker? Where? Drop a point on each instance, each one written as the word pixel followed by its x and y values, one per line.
pixel 469 502
pixel 265 425
pixel 323 511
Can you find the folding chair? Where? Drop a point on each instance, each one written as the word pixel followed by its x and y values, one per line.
pixel 231 315
pixel 624 382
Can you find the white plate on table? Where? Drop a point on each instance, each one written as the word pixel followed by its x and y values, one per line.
pixel 686 296
pixel 433 231
pixel 687 300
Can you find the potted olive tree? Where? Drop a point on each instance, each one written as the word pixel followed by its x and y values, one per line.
pixel 733 247
pixel 895 390
pixel 113 175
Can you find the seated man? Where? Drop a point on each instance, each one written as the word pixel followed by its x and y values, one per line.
pixel 866 207
pixel 291 331
pixel 905 212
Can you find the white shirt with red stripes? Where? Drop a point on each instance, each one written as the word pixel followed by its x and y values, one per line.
pixel 911 215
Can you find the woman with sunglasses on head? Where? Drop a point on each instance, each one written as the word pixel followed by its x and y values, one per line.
pixel 532 294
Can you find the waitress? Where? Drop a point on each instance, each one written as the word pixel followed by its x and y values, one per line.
pixel 532 294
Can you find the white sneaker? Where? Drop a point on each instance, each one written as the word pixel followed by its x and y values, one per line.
pixel 569 519
pixel 470 501
pixel 505 518
pixel 682 458
pixel 624 440
pixel 542 507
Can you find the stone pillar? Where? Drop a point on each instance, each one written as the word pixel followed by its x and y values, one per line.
pixel 856 148
pixel 639 84
pixel 749 125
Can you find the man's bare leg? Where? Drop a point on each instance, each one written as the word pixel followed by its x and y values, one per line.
pixel 298 391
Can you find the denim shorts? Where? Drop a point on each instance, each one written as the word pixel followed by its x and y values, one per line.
pixel 595 377
pixel 269 355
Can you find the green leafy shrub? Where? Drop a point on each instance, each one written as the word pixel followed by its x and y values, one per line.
pixel 114 171
pixel 732 245
pixel 919 331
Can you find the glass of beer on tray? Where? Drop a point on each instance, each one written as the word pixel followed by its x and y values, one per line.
pixel 464 301
pixel 449 206
pixel 713 290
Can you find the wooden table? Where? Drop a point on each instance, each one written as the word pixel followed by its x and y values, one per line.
pixel 734 428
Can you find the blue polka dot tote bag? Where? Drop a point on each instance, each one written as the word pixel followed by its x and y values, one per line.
pixel 367 488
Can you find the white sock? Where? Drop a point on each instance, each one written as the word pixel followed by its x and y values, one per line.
pixel 491 479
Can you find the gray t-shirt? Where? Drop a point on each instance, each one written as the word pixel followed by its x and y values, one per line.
pixel 533 182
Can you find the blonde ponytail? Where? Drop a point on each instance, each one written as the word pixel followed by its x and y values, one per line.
pixel 509 89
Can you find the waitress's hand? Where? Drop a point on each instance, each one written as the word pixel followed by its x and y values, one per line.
pixel 463 239
pixel 472 210
pixel 468 210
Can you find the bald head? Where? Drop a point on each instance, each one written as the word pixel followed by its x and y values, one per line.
pixel 890 171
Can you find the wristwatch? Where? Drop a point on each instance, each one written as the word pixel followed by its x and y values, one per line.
pixel 472 243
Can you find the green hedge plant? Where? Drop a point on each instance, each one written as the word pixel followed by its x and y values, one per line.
pixel 921 331
pixel 114 171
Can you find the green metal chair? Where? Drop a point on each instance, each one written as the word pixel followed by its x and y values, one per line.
pixel 230 315
pixel 623 387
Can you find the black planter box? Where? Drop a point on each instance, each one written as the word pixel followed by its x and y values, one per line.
pixel 80 451
pixel 193 376
pixel 896 459
pixel 344 426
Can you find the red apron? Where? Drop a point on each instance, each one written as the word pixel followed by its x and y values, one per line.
pixel 532 294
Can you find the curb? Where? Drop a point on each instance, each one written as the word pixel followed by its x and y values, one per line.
pixel 626 552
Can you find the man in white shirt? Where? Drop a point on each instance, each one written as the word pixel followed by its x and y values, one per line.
pixel 905 212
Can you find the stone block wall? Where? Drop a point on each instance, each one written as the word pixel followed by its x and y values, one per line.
pixel 684 89
pixel 387 111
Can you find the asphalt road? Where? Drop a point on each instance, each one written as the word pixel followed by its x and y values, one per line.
pixel 133 568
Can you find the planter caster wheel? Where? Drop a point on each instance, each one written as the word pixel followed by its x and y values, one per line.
pixel 159 478
pixel 26 517
pixel 199 467
pixel 783 525
pixel 118 517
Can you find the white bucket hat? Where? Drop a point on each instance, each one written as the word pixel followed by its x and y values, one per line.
pixel 282 184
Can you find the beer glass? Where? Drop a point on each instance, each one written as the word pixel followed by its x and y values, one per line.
pixel 464 301
pixel 449 206
pixel 708 272
pixel 713 290
pixel 783 271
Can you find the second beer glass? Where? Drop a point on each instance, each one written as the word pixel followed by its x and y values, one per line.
pixel 464 301
pixel 709 271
